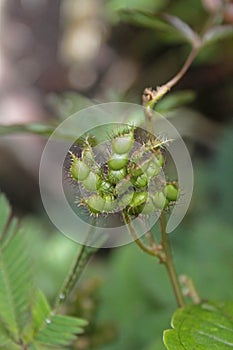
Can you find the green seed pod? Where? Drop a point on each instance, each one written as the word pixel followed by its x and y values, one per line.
pixel 139 168
pixel 125 200
pixel 138 199
pixel 79 170
pixel 153 169
pixel 171 192
pixel 104 186
pixel 110 204
pixel 136 172
pixel 123 186
pixel 159 200
pixel 89 158
pixel 88 155
pixel 160 159
pixel 90 183
pixel 95 204
pixel 141 181
pixel 118 161
pixel 122 144
pixel 114 176
pixel 149 207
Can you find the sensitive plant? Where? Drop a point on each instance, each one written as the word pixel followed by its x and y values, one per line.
pixel 129 182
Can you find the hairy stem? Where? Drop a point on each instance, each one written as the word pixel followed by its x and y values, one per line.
pixel 134 235
pixel 76 270
pixel 153 249
pixel 169 263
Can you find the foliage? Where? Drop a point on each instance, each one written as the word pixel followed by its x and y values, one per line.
pixel 26 319
pixel 134 296
pixel 207 325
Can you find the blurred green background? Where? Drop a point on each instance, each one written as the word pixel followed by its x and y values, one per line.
pixel 57 57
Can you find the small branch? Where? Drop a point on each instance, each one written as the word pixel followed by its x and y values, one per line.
pixel 76 270
pixel 161 251
pixel 154 250
pixel 189 289
pixel 169 262
pixel 184 69
pixel 151 97
pixel 22 345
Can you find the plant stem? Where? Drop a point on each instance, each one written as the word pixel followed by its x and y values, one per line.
pixel 151 97
pixel 169 263
pixel 163 252
pixel 76 270
pixel 190 289
pixel 153 249
pixel 184 69
pixel 134 235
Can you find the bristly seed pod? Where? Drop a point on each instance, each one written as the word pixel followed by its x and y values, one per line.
pixel 149 207
pixel 153 169
pixel 123 144
pixel 95 204
pixel 137 203
pixel 114 176
pixel 118 161
pixel 125 200
pixel 78 169
pixel 90 183
pixel 110 204
pixel 159 200
pixel 171 192
pixel 160 159
pixel 104 186
pixel 126 180
pixel 138 199
pixel 141 181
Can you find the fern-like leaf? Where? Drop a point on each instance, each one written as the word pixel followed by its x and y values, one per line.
pixel 24 324
pixel 5 342
pixel 15 275
pixel 52 329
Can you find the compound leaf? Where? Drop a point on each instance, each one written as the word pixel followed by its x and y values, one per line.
pixel 22 321
pixel 15 275
pixel 53 329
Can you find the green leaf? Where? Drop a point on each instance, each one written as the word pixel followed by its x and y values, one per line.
pixel 217 33
pixel 203 327
pixel 15 275
pixel 175 100
pixel 52 329
pixel 144 19
pixel 5 212
pixel 4 337
pixel 116 5
pixel 183 29
pixel 37 129
pixel 40 312
pixel 69 103
pixel 171 25
pixel 22 321
pixel 29 128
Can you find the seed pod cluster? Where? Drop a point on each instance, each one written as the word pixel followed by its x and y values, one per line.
pixel 127 180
